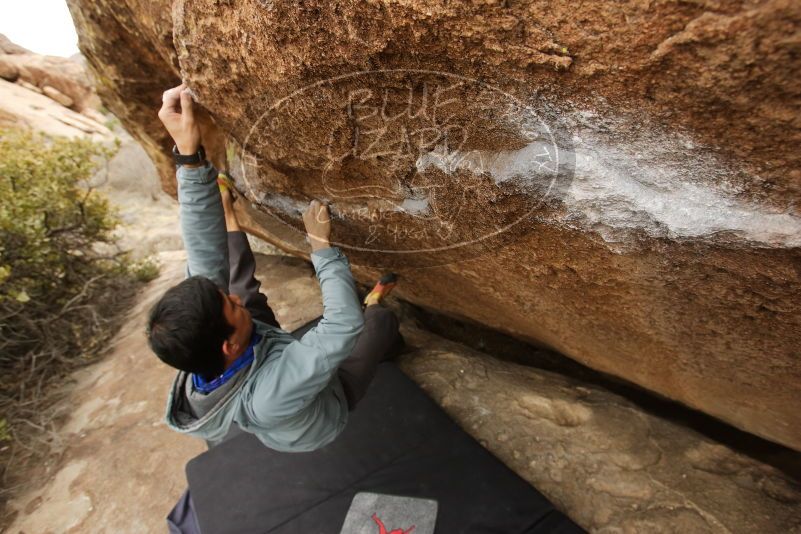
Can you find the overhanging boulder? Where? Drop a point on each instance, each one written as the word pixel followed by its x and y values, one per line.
pixel 620 182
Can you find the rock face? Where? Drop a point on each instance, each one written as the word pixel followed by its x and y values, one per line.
pixel 58 96
pixel 620 182
pixel 9 47
pixel 46 93
pixel 610 464
pixel 62 79
pixel 23 106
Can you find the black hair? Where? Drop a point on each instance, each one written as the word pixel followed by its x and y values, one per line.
pixel 187 328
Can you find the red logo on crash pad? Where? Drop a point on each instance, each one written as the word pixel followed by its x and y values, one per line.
pixel 383 530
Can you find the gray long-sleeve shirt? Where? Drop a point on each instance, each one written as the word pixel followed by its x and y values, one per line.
pixel 290 396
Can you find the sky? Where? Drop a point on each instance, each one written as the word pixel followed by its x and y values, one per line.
pixel 42 26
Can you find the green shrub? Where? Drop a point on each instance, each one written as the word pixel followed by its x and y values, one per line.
pixel 48 223
pixel 113 123
pixel 62 282
pixel 145 270
pixel 4 435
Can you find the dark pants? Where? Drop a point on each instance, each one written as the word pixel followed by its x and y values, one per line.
pixel 380 340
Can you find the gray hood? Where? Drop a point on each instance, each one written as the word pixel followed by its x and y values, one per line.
pixel 210 416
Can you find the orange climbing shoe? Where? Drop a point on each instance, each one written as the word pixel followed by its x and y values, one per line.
pixel 381 289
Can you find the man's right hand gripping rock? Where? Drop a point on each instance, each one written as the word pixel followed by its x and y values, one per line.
pixel 177 115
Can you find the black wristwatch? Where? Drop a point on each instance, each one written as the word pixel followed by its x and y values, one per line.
pixel 193 159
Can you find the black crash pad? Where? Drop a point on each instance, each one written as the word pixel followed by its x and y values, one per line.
pixel 398 442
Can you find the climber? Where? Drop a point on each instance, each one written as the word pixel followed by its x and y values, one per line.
pixel 237 367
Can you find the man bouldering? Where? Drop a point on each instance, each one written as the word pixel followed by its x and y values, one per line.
pixel 237 367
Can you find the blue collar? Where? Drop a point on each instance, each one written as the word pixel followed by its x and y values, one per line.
pixel 243 361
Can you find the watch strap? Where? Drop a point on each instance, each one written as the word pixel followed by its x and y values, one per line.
pixel 191 159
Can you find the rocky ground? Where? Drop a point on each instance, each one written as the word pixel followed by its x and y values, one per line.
pixel 53 95
pixel 611 464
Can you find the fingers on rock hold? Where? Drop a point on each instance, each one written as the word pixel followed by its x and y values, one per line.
pixel 172 93
pixel 187 102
